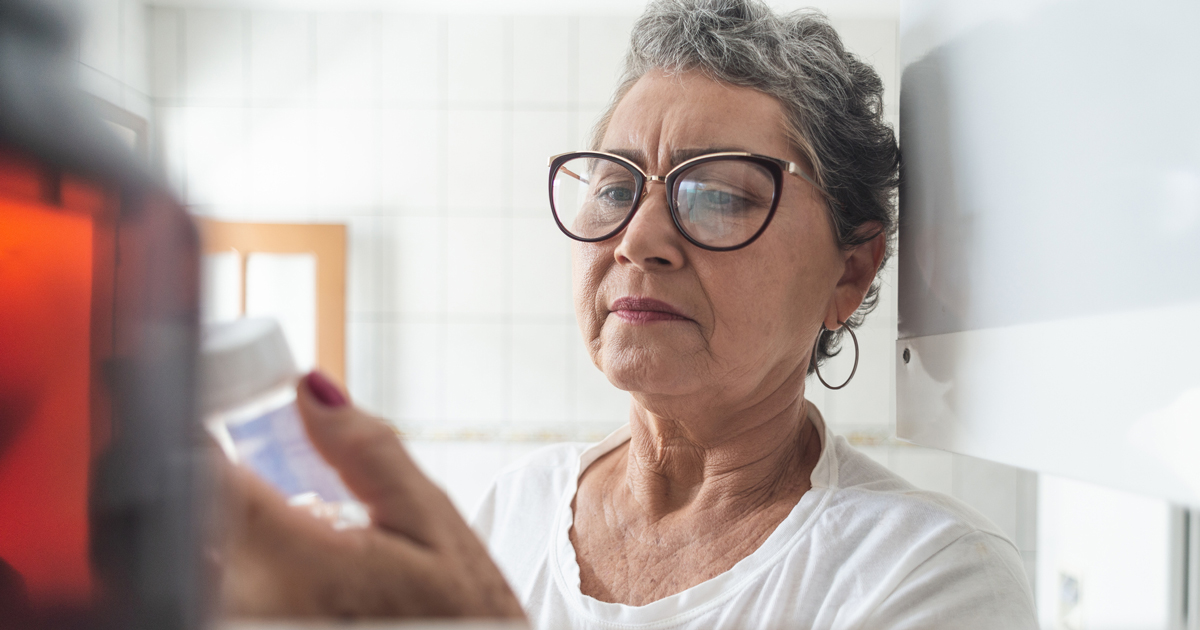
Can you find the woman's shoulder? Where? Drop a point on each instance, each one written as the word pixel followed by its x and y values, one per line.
pixel 868 488
pixel 919 547
pixel 529 489
pixel 551 462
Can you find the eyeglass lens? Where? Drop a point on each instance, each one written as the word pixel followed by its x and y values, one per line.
pixel 719 203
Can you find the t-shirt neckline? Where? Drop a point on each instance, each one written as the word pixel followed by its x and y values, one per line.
pixel 704 596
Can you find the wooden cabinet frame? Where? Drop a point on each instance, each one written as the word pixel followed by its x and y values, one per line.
pixel 326 242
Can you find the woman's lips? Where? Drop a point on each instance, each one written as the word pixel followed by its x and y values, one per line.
pixel 640 310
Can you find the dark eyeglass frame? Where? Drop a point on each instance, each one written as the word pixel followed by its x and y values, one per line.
pixel 776 166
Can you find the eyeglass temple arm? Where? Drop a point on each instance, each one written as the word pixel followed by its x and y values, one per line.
pixel 568 172
pixel 795 169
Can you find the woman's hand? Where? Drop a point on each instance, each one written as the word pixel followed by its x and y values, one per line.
pixel 418 558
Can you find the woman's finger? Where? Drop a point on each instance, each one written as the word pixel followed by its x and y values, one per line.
pixel 372 462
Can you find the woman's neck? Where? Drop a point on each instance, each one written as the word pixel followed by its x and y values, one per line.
pixel 722 460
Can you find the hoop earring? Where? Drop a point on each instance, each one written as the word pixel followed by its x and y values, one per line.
pixel 852 370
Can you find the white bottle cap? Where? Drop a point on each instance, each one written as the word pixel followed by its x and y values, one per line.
pixel 240 360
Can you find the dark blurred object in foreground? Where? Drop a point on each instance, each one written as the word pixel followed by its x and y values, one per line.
pixel 99 482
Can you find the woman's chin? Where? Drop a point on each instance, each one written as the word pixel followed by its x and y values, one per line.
pixel 645 371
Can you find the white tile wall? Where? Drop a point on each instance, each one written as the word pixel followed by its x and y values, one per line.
pixel 215 155
pixel 215 56
pixel 539 370
pixel 412 59
pixel 597 402
pixel 100 43
pixel 135 67
pixel 281 161
pixel 541 268
pixel 347 58
pixel 345 163
pixel 602 45
pixel 477 167
pixel 541 63
pixel 477 275
pixel 537 134
pixel 466 485
pixel 281 71
pixel 925 468
pixel 412 165
pixel 166 58
pixel 478 60
pixel 419 380
pixel 477 361
pixel 111 51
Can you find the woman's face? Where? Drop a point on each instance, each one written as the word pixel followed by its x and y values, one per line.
pixel 745 319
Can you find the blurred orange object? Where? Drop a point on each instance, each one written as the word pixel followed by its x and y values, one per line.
pixel 46 280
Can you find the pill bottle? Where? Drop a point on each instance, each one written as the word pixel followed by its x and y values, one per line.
pixel 248 401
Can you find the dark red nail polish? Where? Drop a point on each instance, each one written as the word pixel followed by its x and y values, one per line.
pixel 323 390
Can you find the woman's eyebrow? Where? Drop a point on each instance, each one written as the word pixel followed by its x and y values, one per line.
pixel 682 155
pixel 633 155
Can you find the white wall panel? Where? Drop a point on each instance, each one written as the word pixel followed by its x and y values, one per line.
pixel 602 45
pixel 100 84
pixel 281 59
pixel 135 60
pixel 585 120
pixel 345 154
pixel 215 147
pixel 541 268
pixel 478 72
pixel 477 270
pixel 413 59
pixel 1104 558
pixel 419 380
pixel 466 484
pixel 100 43
pixel 540 371
pixel 412 164
pixel 541 62
pixel 347 58
pixel 925 468
pixel 536 136
pixel 281 158
pixel 416 254
pixel 477 161
pixel 166 53
pixel 477 376
pixel 597 402
pixel 215 55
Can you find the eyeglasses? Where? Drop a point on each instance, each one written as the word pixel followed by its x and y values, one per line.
pixel 719 201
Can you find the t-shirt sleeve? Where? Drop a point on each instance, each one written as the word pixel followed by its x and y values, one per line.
pixel 483 519
pixel 975 582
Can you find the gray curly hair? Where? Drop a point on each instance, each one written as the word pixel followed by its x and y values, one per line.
pixel 832 99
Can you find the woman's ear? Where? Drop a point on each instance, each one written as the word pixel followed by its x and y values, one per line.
pixel 860 264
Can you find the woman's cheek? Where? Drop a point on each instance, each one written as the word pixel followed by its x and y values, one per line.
pixel 587 272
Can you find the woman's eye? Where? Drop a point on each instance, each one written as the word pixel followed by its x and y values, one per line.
pixel 717 197
pixel 700 200
pixel 617 194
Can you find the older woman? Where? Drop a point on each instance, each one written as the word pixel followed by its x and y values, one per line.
pixel 735 208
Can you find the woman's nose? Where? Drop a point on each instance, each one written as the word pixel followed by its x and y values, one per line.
pixel 651 240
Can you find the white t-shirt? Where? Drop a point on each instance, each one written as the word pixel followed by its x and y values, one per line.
pixel 862 549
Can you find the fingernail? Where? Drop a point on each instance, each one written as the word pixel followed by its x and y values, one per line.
pixel 324 390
